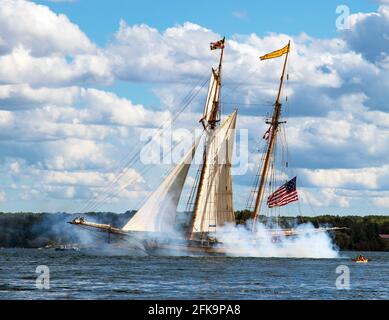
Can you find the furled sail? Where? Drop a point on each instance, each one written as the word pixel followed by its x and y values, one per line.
pixel 213 207
pixel 159 212
pixel 212 97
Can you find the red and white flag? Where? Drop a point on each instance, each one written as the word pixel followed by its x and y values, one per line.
pixel 217 45
pixel 267 134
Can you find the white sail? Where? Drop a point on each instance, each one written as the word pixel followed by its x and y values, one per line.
pixel 212 97
pixel 214 206
pixel 159 212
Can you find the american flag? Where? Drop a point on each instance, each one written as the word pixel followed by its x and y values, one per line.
pixel 217 45
pixel 285 194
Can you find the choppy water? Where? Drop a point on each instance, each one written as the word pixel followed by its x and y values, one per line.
pixel 77 275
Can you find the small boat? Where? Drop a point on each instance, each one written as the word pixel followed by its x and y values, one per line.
pixel 360 259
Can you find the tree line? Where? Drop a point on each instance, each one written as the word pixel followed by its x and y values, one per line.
pixel 33 230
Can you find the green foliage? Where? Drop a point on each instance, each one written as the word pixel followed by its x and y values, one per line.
pixel 31 230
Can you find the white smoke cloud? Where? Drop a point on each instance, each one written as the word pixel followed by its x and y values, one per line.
pixel 238 241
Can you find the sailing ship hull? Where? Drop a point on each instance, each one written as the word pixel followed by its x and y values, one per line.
pixel 153 243
pixel 172 249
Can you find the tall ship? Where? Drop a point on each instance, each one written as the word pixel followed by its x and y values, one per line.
pixel 210 201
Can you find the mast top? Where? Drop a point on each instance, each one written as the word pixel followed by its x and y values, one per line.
pixel 211 114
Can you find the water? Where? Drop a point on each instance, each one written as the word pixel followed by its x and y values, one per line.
pixel 78 275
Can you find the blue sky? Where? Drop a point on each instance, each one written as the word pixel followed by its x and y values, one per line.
pixel 100 19
pixel 80 80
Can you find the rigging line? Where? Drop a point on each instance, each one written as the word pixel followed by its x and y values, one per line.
pixel 122 169
pixel 172 168
pixel 282 159
pixel 229 100
pixel 291 169
pixel 271 178
pixel 288 155
pixel 284 155
pixel 247 84
pixel 190 201
pixel 255 180
pixel 299 208
pixel 189 97
pixel 247 104
pixel 239 84
pixel 261 163
pixel 131 162
pixel 242 83
pixel 309 202
pixel 278 163
pixel 193 192
pixel 143 172
pixel 273 175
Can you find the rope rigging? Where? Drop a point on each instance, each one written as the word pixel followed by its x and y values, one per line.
pixel 277 169
pixel 142 173
pixel 132 157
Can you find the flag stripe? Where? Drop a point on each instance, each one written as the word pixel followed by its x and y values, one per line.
pixel 278 197
pixel 286 199
pixel 283 202
pixel 291 195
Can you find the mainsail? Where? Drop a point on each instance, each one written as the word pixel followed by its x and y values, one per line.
pixel 159 212
pixel 213 207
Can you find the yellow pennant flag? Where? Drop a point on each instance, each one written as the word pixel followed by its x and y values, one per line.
pixel 276 54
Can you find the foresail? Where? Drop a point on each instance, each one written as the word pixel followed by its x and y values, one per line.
pixel 212 97
pixel 214 205
pixel 159 212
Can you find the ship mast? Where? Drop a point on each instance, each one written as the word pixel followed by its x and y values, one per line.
pixel 214 114
pixel 275 121
pixel 209 124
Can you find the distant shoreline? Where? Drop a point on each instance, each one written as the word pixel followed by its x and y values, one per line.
pixel 37 230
